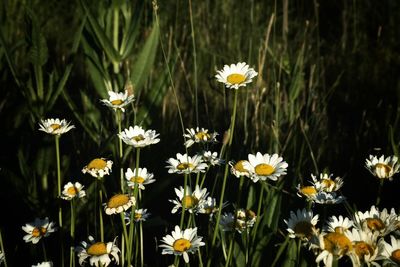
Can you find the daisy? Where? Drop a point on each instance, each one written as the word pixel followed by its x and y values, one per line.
pixel 373 220
pixel 211 158
pixel 183 164
pixel 323 197
pixel 55 126
pixel 137 137
pixel 180 242
pixel 383 168
pixel 191 201
pixel 140 215
pixel 118 100
pixel 263 167
pixel 245 220
pixel 390 252
pixel 365 245
pixel 139 178
pixel 38 229
pixel 199 135
pixel 99 253
pixel 44 264
pixel 238 169
pixel 302 224
pixel 209 206
pixel 98 167
pixel 236 75
pixel 325 182
pixel 338 224
pixel 119 203
pixel 307 191
pixel 72 191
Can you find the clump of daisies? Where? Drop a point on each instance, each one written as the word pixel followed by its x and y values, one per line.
pixel 382 168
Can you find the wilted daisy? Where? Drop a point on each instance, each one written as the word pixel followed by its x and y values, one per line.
pixel 199 135
pixel 390 253
pixel 302 224
pixel 38 229
pixel 100 254
pixel 263 167
pixel 365 245
pixel 211 158
pixel 338 224
pixel 118 100
pixel 44 264
pixel 236 75
pixel 191 201
pixel 186 164
pixel 55 126
pixel 326 183
pixel 375 220
pixel 238 169
pixel 98 167
pixel 180 242
pixel 119 203
pixel 139 178
pixel 72 191
pixel 137 137
pixel 209 206
pixel 383 168
pixel 245 220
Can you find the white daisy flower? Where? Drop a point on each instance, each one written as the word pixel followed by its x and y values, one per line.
pixel 245 220
pixel 329 198
pixel 44 264
pixel 185 164
pixel 140 215
pixel 338 224
pixel 98 167
pixel 375 220
pixel 236 75
pixel 307 191
pixel 119 203
pixel 100 254
pixel 263 167
pixel 38 229
pixel 72 191
pixel 118 100
pixel 180 242
pixel 365 245
pixel 238 169
pixel 383 168
pixel 137 137
pixel 325 182
pixel 191 201
pixel 302 224
pixel 390 253
pixel 209 206
pixel 139 178
pixel 55 126
pixel 199 135
pixel 211 158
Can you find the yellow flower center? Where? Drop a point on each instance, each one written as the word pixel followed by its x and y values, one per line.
pixel 138 138
pixel 236 78
pixel 97 249
pixel 72 191
pixel 395 256
pixel 138 216
pixel 38 231
pixel 189 202
pixel 118 201
pixel 382 168
pixel 202 136
pixel 304 229
pixel 181 245
pixel 97 164
pixel 138 180
pixel 327 183
pixel 308 190
pixel 117 102
pixel 337 243
pixel 375 224
pixel 264 169
pixel 363 249
pixel 339 229
pixel 184 166
pixel 239 166
pixel 55 126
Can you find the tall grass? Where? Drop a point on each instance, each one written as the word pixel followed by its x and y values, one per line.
pixel 325 97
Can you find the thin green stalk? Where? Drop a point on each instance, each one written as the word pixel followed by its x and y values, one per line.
pixel 194 63
pixel 100 197
pixel 72 234
pixel 183 198
pixel 228 260
pixel 141 244
pixel 44 250
pixel 39 81
pixel 204 178
pixel 260 201
pixel 2 249
pixel 57 142
pixel 120 149
pixel 125 232
pixel 115 35
pixel 378 198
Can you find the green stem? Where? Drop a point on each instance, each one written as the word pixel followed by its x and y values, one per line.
pixel 378 198
pixel 228 260
pixel 122 214
pixel 72 234
pixel 141 244
pixel 194 63
pixel 120 150
pixel 2 249
pixel 57 141
pixel 182 201
pixel 44 250
pixel 260 201
pixel 115 35
pixel 100 192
